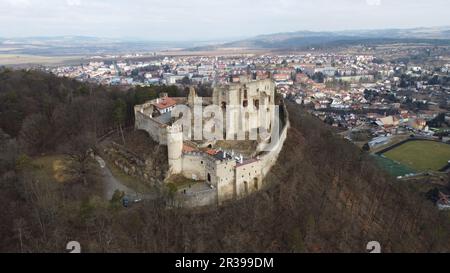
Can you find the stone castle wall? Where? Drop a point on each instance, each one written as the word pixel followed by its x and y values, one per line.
pixel 197 199
pixel 156 130
pixel 225 177
pixel 251 96
pixel 269 159
pixel 194 166
pixel 248 178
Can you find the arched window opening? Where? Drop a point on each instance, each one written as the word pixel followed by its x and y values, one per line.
pixel 256 104
pixel 255 183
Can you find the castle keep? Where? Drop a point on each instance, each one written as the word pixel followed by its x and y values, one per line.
pixel 224 172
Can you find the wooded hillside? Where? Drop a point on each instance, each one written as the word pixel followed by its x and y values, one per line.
pixel 323 195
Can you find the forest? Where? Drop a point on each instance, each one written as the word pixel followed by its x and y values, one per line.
pixel 323 195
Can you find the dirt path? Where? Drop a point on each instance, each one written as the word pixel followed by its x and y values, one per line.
pixel 112 184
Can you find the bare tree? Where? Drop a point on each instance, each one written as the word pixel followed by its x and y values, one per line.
pixel 80 153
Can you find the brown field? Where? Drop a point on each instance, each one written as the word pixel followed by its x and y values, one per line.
pixel 19 59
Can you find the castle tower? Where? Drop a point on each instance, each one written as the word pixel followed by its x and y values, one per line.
pixel 175 148
pixel 192 96
pixel 233 101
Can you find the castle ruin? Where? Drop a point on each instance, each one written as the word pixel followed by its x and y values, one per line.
pixel 248 109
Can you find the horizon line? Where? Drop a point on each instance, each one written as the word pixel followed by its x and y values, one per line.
pixel 141 39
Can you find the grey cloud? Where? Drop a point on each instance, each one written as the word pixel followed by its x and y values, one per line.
pixel 210 19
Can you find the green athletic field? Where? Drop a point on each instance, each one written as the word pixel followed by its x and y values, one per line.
pixel 421 155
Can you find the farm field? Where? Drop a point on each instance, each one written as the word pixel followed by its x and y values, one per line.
pixel 21 59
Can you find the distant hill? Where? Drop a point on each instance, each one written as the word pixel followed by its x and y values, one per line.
pixel 303 39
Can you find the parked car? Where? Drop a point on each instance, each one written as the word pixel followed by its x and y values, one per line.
pixel 125 202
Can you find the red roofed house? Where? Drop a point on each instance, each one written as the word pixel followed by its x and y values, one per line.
pixel 164 104
pixel 281 77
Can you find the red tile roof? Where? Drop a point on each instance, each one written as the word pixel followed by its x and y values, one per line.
pixel 187 149
pixel 211 151
pixel 165 102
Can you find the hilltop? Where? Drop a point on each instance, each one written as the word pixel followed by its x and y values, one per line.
pixel 326 39
pixel 325 194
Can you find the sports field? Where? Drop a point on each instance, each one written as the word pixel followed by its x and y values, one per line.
pixel 393 167
pixel 421 155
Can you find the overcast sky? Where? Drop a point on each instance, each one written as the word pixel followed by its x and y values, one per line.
pixel 172 20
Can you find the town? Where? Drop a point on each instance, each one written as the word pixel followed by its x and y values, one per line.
pixel 357 91
pixel 377 98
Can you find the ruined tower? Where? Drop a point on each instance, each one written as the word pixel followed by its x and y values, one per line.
pixel 192 96
pixel 175 148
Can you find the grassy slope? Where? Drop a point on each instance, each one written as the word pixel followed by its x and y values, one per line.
pixel 51 168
